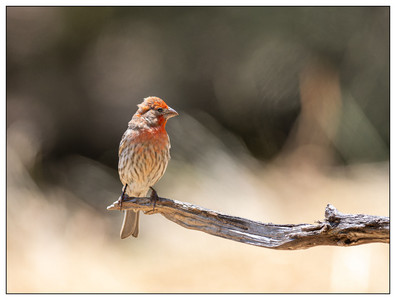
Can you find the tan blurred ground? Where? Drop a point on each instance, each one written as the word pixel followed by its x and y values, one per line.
pixel 56 242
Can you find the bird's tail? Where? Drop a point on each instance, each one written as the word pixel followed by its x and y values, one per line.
pixel 130 225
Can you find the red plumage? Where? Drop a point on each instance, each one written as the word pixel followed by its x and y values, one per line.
pixel 143 154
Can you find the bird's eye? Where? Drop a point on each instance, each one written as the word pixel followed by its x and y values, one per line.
pixel 160 109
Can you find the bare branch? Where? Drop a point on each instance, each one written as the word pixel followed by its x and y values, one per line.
pixel 336 229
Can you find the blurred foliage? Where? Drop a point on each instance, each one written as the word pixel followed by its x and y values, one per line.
pixel 78 72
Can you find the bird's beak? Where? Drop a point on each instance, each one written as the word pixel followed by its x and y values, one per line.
pixel 170 113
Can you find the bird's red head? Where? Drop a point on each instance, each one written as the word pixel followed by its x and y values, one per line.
pixel 155 111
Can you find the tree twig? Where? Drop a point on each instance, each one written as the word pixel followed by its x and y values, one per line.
pixel 337 229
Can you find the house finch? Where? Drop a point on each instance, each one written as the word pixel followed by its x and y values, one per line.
pixel 143 155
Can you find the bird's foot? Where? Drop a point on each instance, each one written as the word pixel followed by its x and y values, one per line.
pixel 154 197
pixel 123 196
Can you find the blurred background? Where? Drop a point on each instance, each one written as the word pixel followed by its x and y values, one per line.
pixel 282 111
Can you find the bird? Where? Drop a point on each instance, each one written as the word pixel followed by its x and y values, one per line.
pixel 143 155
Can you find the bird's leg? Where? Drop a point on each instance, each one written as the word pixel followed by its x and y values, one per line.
pixel 122 196
pixel 154 196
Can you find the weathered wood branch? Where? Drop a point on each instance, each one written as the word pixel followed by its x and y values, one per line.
pixel 337 229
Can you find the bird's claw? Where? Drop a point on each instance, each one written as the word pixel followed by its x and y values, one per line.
pixel 154 197
pixel 123 196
